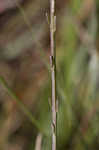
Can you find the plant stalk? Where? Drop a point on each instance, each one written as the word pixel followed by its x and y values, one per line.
pixel 53 72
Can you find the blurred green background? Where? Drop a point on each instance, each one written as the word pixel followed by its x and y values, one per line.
pixel 25 98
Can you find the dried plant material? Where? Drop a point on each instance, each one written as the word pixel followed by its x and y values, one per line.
pixel 53 71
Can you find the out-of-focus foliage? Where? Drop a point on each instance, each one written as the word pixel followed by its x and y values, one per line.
pixel 24 63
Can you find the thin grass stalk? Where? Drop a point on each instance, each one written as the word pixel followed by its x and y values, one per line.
pixel 53 72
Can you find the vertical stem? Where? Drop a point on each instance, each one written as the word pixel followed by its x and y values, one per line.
pixel 53 72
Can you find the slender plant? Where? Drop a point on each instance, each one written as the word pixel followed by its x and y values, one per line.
pixel 53 72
